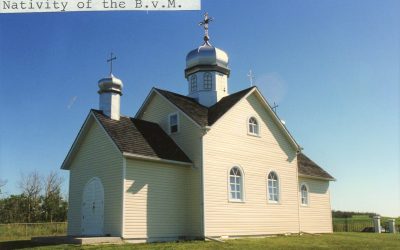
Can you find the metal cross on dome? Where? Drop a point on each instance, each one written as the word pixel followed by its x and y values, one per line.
pixel 112 58
pixel 205 23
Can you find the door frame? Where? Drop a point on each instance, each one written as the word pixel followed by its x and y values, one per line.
pixel 82 206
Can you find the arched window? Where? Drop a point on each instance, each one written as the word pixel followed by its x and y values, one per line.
pixel 207 81
pixel 235 184
pixel 304 194
pixel 193 83
pixel 253 126
pixel 273 187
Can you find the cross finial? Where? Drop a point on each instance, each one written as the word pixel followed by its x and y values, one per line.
pixel 275 107
pixel 110 60
pixel 205 23
pixel 251 78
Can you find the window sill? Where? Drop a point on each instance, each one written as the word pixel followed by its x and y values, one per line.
pixel 237 201
pixel 274 202
pixel 254 135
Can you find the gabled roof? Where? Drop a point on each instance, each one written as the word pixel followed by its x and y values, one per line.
pixel 133 137
pixel 201 114
pixel 310 169
pixel 188 105
pixel 140 137
pixel 204 116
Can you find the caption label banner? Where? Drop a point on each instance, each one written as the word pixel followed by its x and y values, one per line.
pixel 29 6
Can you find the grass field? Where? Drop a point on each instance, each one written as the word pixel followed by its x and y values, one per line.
pixel 327 241
pixel 24 231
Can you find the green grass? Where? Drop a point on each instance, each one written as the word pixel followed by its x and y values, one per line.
pixel 26 231
pixel 327 241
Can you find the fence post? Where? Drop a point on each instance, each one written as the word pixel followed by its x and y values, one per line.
pixel 346 225
pixel 392 228
pixel 377 224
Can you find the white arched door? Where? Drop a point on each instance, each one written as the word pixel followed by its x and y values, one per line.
pixel 93 208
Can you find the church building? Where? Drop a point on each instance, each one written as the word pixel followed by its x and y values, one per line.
pixel 208 164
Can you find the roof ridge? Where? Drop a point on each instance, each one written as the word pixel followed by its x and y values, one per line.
pixel 177 94
pixel 203 115
pixel 233 94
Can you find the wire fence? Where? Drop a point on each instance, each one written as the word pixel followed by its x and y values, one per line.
pixel 28 230
pixel 359 225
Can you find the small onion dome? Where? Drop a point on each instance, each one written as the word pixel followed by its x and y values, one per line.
pixel 207 58
pixel 110 84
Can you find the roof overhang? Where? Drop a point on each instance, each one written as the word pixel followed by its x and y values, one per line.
pixel 317 177
pixel 90 119
pixel 198 68
pixel 78 139
pixel 155 159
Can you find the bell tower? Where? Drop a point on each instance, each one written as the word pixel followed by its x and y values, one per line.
pixel 110 91
pixel 207 71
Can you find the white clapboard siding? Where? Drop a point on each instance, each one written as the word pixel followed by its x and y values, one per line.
pixel 97 157
pixel 316 217
pixel 227 144
pixel 155 200
pixel 189 140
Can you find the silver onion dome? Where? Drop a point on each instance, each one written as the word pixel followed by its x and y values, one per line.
pixel 110 84
pixel 207 57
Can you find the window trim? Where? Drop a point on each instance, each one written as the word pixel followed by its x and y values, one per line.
pixel 242 187
pixel 204 81
pixel 177 123
pixel 279 188
pixel 301 195
pixel 248 126
pixel 193 83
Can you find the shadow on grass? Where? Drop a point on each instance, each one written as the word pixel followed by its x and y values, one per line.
pixel 21 244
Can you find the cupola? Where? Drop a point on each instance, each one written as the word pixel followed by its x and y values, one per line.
pixel 207 71
pixel 110 91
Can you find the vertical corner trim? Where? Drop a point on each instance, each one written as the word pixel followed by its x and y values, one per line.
pixel 123 197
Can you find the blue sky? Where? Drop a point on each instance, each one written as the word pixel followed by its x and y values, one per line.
pixel 331 66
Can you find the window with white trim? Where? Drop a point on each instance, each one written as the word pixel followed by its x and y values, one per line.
pixel 235 184
pixel 253 126
pixel 193 83
pixel 207 80
pixel 273 187
pixel 173 120
pixel 304 194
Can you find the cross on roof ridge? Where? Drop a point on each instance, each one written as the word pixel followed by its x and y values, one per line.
pixel 110 60
pixel 251 77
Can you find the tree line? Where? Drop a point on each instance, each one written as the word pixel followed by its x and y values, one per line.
pixel 40 200
pixel 349 214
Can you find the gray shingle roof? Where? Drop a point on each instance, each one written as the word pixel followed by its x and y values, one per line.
pixel 201 114
pixel 141 137
pixel 308 167
pixel 188 105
